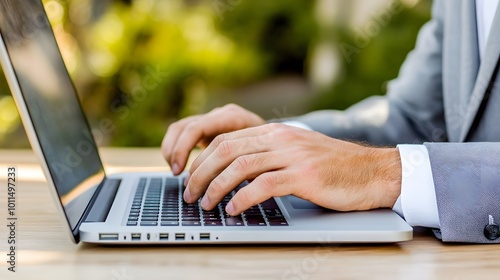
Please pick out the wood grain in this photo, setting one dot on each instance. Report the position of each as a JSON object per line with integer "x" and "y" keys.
{"x": 45, "y": 251}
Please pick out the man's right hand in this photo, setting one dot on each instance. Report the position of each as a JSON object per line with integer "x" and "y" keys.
{"x": 182, "y": 136}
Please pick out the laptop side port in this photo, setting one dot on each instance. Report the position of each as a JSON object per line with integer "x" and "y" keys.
{"x": 204, "y": 236}
{"x": 135, "y": 236}
{"x": 163, "y": 236}
{"x": 108, "y": 236}
{"x": 180, "y": 236}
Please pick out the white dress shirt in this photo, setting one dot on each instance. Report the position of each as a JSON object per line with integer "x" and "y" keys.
{"x": 417, "y": 203}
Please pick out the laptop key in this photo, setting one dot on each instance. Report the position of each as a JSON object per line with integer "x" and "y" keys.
{"x": 191, "y": 219}
{"x": 270, "y": 204}
{"x": 256, "y": 222}
{"x": 191, "y": 215}
{"x": 152, "y": 205}
{"x": 149, "y": 223}
{"x": 169, "y": 223}
{"x": 213, "y": 223}
{"x": 275, "y": 216}
{"x": 169, "y": 215}
{"x": 234, "y": 221}
{"x": 131, "y": 223}
{"x": 191, "y": 223}
{"x": 278, "y": 223}
{"x": 171, "y": 183}
{"x": 169, "y": 219}
{"x": 211, "y": 218}
{"x": 170, "y": 211}
{"x": 150, "y": 214}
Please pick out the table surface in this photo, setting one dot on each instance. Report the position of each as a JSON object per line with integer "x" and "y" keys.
{"x": 46, "y": 252}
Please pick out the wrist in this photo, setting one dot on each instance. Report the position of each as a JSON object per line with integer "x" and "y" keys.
{"x": 388, "y": 177}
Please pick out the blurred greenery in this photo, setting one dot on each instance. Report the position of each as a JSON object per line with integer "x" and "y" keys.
{"x": 367, "y": 72}
{"x": 142, "y": 64}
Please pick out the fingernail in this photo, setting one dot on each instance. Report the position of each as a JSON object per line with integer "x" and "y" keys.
{"x": 205, "y": 202}
{"x": 187, "y": 195}
{"x": 187, "y": 180}
{"x": 175, "y": 169}
{"x": 230, "y": 208}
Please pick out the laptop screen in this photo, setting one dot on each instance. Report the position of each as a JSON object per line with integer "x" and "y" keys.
{"x": 60, "y": 126}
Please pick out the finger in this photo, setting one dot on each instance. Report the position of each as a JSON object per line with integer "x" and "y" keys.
{"x": 216, "y": 162}
{"x": 171, "y": 137}
{"x": 193, "y": 132}
{"x": 265, "y": 186}
{"x": 242, "y": 168}
{"x": 262, "y": 135}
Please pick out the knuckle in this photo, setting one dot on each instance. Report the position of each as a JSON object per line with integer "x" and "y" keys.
{"x": 275, "y": 126}
{"x": 225, "y": 149}
{"x": 231, "y": 107}
{"x": 270, "y": 182}
{"x": 216, "y": 109}
{"x": 174, "y": 126}
{"x": 219, "y": 139}
{"x": 243, "y": 163}
{"x": 286, "y": 132}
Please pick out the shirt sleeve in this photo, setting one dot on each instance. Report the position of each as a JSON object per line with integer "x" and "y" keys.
{"x": 417, "y": 203}
{"x": 298, "y": 124}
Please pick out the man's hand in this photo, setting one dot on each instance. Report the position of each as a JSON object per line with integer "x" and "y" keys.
{"x": 185, "y": 134}
{"x": 280, "y": 160}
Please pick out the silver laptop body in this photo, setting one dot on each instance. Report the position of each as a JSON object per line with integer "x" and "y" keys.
{"x": 142, "y": 208}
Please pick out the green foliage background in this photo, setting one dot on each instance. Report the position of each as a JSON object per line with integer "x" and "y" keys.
{"x": 141, "y": 65}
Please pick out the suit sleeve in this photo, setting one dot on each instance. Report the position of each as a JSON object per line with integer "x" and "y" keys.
{"x": 467, "y": 185}
{"x": 411, "y": 112}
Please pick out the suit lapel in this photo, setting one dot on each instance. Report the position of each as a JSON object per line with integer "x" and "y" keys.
{"x": 486, "y": 70}
{"x": 466, "y": 66}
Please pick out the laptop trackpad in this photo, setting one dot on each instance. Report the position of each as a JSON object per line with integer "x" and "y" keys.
{"x": 298, "y": 203}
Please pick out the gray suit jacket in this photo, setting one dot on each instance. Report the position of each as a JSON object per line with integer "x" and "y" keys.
{"x": 445, "y": 94}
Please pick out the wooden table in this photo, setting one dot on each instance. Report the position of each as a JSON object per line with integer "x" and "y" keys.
{"x": 45, "y": 251}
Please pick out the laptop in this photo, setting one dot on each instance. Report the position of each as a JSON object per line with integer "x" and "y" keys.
{"x": 143, "y": 208}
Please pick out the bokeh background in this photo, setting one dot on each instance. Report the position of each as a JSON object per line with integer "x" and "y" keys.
{"x": 142, "y": 64}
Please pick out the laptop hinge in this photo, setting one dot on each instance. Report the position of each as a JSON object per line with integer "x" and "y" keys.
{"x": 108, "y": 198}
{"x": 102, "y": 204}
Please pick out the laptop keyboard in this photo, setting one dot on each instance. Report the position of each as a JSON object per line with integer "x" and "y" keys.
{"x": 158, "y": 202}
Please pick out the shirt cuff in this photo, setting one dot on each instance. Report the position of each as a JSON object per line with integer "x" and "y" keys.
{"x": 297, "y": 124}
{"x": 417, "y": 203}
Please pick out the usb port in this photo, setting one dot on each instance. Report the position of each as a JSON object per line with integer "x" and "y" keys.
{"x": 136, "y": 236}
{"x": 204, "y": 236}
{"x": 180, "y": 236}
{"x": 163, "y": 236}
{"x": 108, "y": 236}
